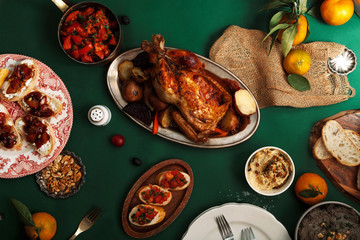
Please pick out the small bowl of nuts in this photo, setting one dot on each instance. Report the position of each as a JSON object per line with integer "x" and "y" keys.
{"x": 63, "y": 177}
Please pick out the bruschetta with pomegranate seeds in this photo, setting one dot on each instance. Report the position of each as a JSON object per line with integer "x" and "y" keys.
{"x": 9, "y": 136}
{"x": 154, "y": 195}
{"x": 38, "y": 132}
{"x": 20, "y": 81}
{"x": 173, "y": 180}
{"x": 40, "y": 104}
{"x": 146, "y": 215}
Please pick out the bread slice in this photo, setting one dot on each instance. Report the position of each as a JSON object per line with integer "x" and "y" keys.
{"x": 4, "y": 72}
{"x": 169, "y": 177}
{"x": 139, "y": 219}
{"x": 354, "y": 137}
{"x": 29, "y": 84}
{"x": 152, "y": 192}
{"x": 47, "y": 147}
{"x": 339, "y": 144}
{"x": 319, "y": 150}
{"x": 43, "y": 101}
{"x": 9, "y": 122}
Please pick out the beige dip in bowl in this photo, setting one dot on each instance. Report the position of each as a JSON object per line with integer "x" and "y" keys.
{"x": 269, "y": 171}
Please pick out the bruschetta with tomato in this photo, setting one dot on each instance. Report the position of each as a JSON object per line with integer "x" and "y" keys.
{"x": 146, "y": 215}
{"x": 154, "y": 195}
{"x": 173, "y": 180}
{"x": 38, "y": 132}
{"x": 20, "y": 81}
{"x": 9, "y": 136}
{"x": 40, "y": 104}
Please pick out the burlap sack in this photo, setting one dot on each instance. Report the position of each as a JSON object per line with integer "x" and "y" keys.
{"x": 244, "y": 53}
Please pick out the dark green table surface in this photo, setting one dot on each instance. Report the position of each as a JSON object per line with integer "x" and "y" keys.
{"x": 30, "y": 28}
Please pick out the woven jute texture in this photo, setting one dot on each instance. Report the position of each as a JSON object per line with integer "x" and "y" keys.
{"x": 244, "y": 53}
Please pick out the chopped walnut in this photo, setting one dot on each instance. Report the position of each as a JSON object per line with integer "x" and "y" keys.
{"x": 62, "y": 175}
{"x": 320, "y": 235}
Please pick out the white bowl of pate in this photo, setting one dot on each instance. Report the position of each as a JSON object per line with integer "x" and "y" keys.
{"x": 269, "y": 171}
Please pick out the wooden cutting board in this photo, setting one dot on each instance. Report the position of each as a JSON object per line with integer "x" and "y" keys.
{"x": 343, "y": 177}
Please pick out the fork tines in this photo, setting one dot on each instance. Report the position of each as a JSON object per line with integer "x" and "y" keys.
{"x": 224, "y": 227}
{"x": 94, "y": 214}
{"x": 247, "y": 234}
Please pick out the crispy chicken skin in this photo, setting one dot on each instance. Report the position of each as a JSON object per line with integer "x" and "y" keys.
{"x": 180, "y": 79}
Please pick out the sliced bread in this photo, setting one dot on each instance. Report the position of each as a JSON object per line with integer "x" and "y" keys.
{"x": 319, "y": 150}
{"x": 354, "y": 137}
{"x": 339, "y": 144}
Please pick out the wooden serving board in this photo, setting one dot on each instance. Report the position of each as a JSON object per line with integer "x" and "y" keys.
{"x": 172, "y": 210}
{"x": 343, "y": 177}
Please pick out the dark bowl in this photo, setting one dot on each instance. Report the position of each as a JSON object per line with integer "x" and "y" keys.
{"x": 117, "y": 31}
{"x": 334, "y": 217}
{"x": 42, "y": 181}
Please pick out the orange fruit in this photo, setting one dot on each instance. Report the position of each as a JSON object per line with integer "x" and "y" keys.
{"x": 310, "y": 188}
{"x": 301, "y": 29}
{"x": 46, "y": 225}
{"x": 297, "y": 62}
{"x": 337, "y": 12}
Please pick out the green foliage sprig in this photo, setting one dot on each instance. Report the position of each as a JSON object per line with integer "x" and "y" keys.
{"x": 292, "y": 9}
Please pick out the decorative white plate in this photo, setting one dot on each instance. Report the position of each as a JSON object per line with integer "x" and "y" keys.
{"x": 344, "y": 63}
{"x": 25, "y": 160}
{"x": 176, "y": 136}
{"x": 239, "y": 216}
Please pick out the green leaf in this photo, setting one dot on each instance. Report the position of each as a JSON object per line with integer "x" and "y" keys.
{"x": 314, "y": 11}
{"x": 274, "y": 37}
{"x": 311, "y": 192}
{"x": 307, "y": 30}
{"x": 276, "y": 4}
{"x": 24, "y": 212}
{"x": 302, "y": 6}
{"x": 287, "y": 39}
{"x": 276, "y": 19}
{"x": 276, "y": 28}
{"x": 299, "y": 83}
{"x": 308, "y": 193}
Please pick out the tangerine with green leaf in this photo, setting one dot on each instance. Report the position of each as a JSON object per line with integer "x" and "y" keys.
{"x": 45, "y": 226}
{"x": 297, "y": 62}
{"x": 310, "y": 188}
{"x": 301, "y": 28}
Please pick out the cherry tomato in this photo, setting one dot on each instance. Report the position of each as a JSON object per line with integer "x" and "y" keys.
{"x": 118, "y": 140}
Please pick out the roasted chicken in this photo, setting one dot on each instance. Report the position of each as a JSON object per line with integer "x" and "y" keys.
{"x": 181, "y": 80}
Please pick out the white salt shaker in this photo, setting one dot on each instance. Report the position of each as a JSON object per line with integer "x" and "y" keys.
{"x": 99, "y": 115}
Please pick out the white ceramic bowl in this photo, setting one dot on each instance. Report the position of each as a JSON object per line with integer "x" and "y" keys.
{"x": 277, "y": 191}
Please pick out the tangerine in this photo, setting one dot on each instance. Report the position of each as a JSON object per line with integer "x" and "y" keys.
{"x": 310, "y": 188}
{"x": 337, "y": 12}
{"x": 302, "y": 29}
{"x": 297, "y": 62}
{"x": 46, "y": 225}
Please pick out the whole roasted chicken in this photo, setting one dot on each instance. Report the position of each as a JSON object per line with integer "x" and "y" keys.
{"x": 180, "y": 79}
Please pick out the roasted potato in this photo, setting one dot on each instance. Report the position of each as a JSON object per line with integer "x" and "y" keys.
{"x": 165, "y": 117}
{"x": 125, "y": 70}
{"x": 230, "y": 121}
{"x": 244, "y": 102}
{"x": 131, "y": 91}
{"x": 139, "y": 75}
{"x": 148, "y": 91}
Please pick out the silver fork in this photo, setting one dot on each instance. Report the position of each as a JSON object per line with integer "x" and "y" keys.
{"x": 224, "y": 228}
{"x": 89, "y": 220}
{"x": 247, "y": 234}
